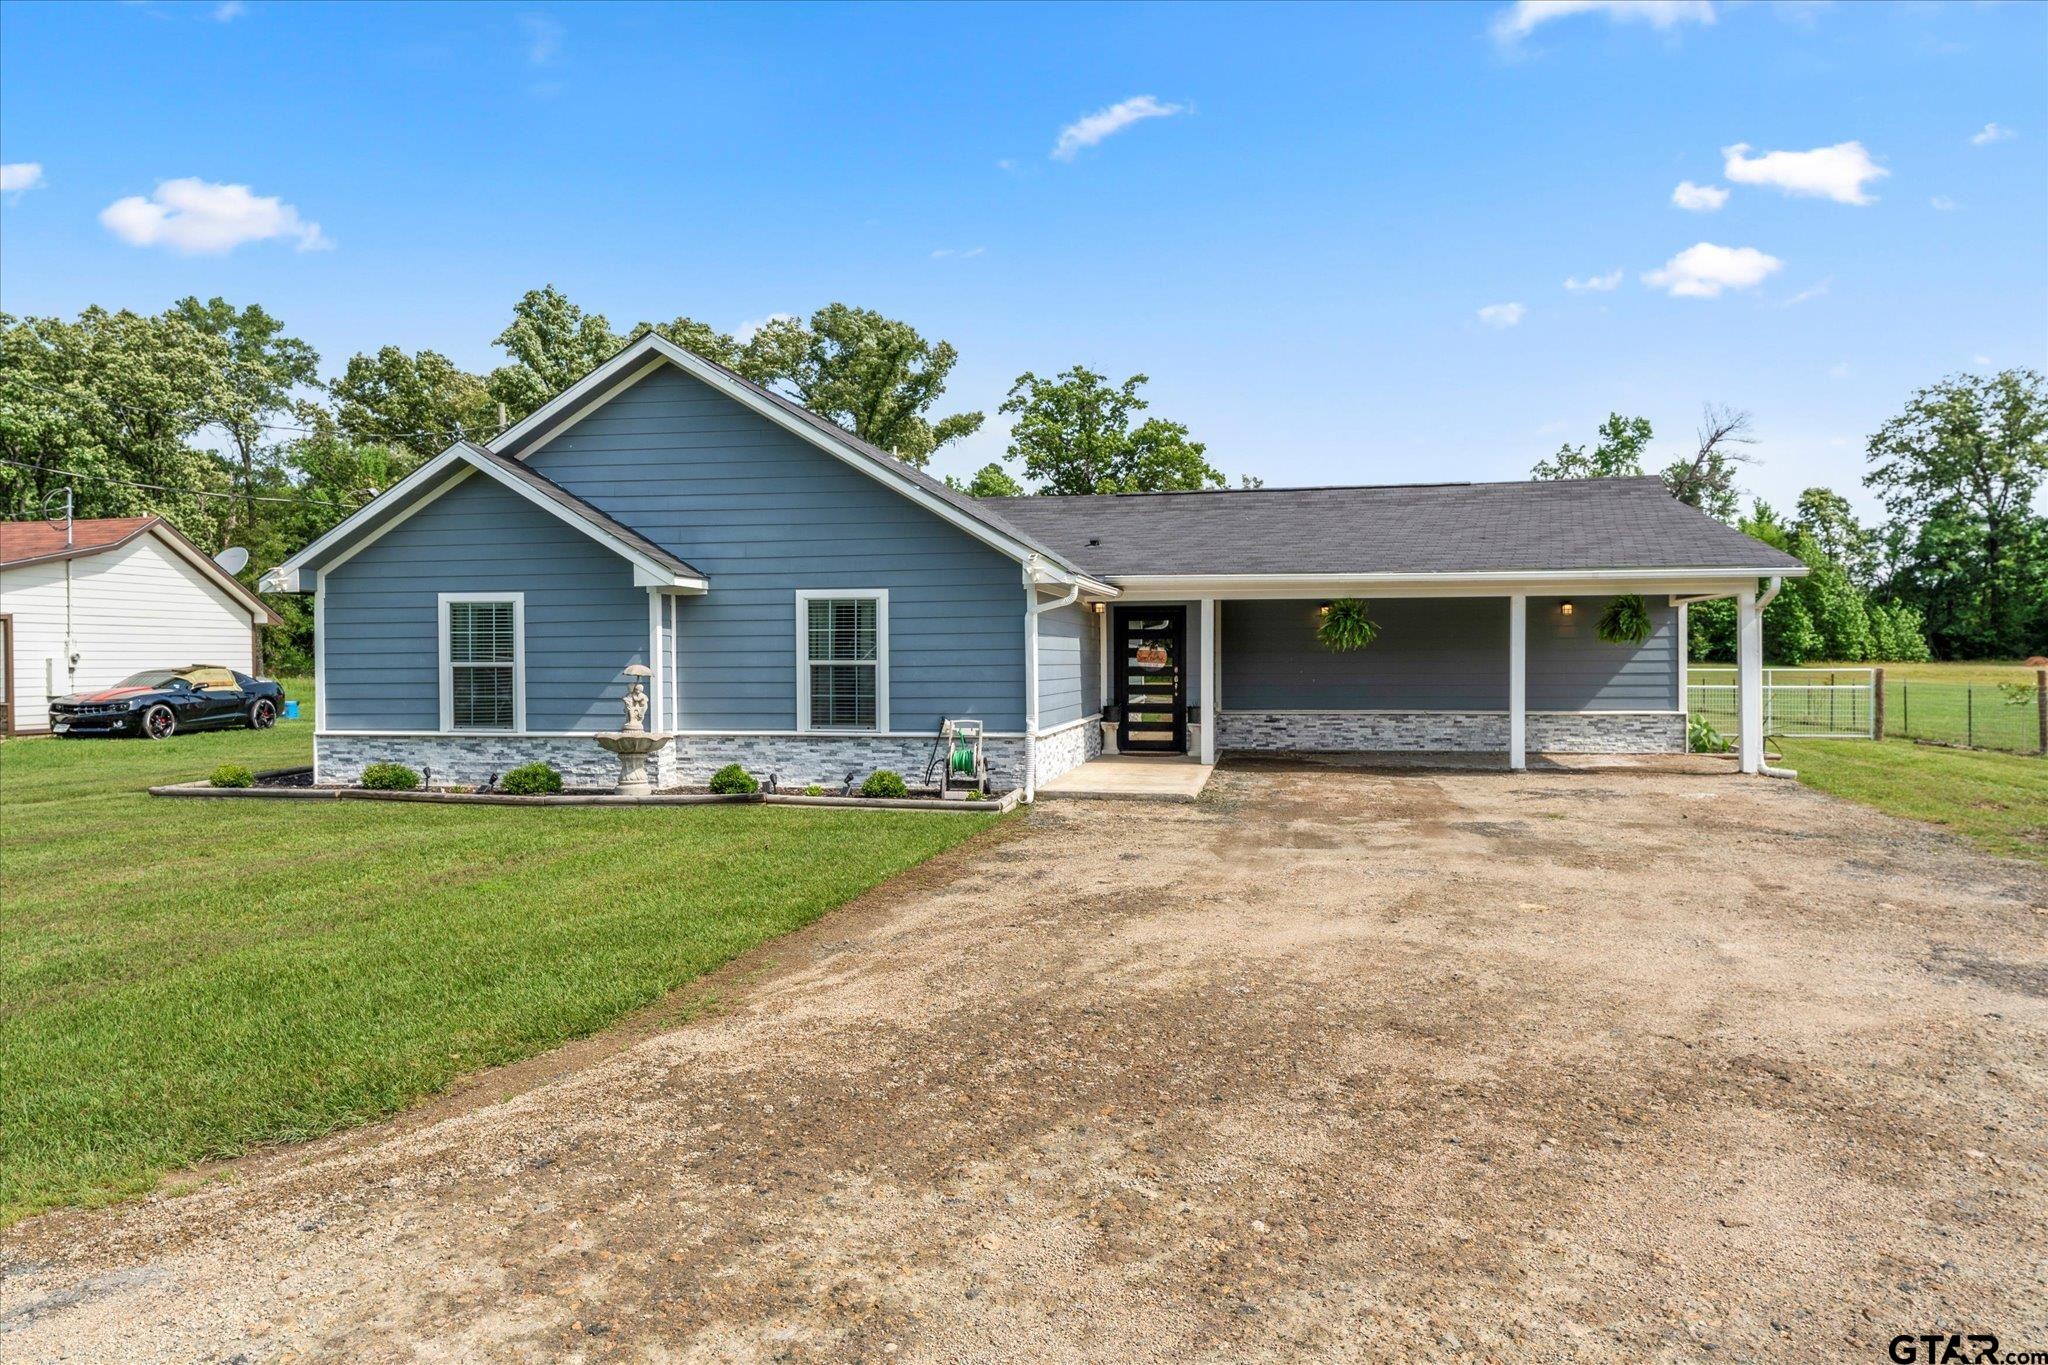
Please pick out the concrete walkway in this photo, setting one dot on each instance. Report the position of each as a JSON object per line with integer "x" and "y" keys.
{"x": 1132, "y": 777}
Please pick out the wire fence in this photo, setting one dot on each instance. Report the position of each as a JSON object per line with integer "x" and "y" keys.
{"x": 1843, "y": 703}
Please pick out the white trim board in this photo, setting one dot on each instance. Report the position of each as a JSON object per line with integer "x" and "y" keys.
{"x": 804, "y": 662}
{"x": 930, "y": 735}
{"x": 447, "y": 664}
{"x": 1541, "y": 583}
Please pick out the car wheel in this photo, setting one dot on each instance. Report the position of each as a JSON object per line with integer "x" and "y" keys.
{"x": 159, "y": 722}
{"x": 262, "y": 713}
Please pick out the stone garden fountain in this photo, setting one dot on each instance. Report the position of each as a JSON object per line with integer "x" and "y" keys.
{"x": 635, "y": 741}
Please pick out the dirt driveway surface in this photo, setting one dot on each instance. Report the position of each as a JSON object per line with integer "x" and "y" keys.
{"x": 1331, "y": 1063}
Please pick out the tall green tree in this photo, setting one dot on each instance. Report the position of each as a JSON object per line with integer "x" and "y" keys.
{"x": 1826, "y": 518}
{"x": 263, "y": 374}
{"x": 1959, "y": 469}
{"x": 553, "y": 343}
{"x": 989, "y": 481}
{"x": 873, "y": 375}
{"x": 108, "y": 402}
{"x": 1617, "y": 452}
{"x": 1077, "y": 433}
{"x": 421, "y": 403}
{"x": 1706, "y": 478}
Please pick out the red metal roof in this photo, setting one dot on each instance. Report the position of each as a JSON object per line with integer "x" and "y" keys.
{"x": 25, "y": 540}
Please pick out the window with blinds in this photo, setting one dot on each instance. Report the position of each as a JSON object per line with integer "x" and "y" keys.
{"x": 842, "y": 659}
{"x": 483, "y": 661}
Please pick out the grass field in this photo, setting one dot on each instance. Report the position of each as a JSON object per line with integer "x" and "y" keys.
{"x": 1980, "y": 671}
{"x": 2000, "y": 801}
{"x": 182, "y": 980}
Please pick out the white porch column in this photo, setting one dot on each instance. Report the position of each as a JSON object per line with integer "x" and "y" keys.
{"x": 1749, "y": 680}
{"x": 1210, "y": 710}
{"x": 1030, "y": 689}
{"x": 1518, "y": 681}
{"x": 657, "y": 664}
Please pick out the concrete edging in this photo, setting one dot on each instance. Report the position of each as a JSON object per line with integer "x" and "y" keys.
{"x": 205, "y": 790}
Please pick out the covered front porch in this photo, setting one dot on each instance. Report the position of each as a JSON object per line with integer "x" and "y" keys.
{"x": 1493, "y": 677}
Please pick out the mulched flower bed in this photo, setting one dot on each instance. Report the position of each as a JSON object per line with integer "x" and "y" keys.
{"x": 297, "y": 784}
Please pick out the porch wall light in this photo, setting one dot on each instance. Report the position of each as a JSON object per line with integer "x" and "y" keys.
{"x": 1565, "y": 607}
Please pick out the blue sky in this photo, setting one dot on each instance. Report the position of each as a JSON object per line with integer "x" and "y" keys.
{"x": 1292, "y": 223}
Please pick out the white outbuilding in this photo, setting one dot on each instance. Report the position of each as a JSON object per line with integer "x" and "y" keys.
{"x": 85, "y": 604}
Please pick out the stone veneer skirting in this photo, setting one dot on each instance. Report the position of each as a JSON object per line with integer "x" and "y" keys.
{"x": 686, "y": 761}
{"x": 1065, "y": 750}
{"x": 1584, "y": 732}
{"x": 1607, "y": 732}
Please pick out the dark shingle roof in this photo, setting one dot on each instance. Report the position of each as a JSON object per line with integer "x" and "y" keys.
{"x": 1397, "y": 529}
{"x": 547, "y": 487}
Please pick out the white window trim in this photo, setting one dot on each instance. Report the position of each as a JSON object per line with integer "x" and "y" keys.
{"x": 804, "y": 598}
{"x": 518, "y": 601}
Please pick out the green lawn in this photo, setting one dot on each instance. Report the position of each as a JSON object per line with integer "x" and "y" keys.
{"x": 1998, "y": 800}
{"x": 1981, "y": 671}
{"x": 181, "y": 980}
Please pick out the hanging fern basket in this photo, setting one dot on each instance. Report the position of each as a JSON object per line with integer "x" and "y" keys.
{"x": 1347, "y": 624}
{"x": 1626, "y": 621}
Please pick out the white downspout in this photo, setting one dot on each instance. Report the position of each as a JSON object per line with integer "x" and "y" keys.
{"x": 1032, "y": 611}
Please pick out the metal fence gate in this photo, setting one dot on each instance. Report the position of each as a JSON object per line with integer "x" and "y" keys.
{"x": 1799, "y": 703}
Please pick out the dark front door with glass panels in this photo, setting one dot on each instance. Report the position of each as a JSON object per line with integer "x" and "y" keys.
{"x": 1151, "y": 680}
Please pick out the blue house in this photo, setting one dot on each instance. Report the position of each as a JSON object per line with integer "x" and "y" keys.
{"x": 811, "y": 607}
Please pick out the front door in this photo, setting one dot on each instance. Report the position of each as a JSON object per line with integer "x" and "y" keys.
{"x": 1151, "y": 682}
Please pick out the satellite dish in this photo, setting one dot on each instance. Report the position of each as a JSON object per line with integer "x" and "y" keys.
{"x": 233, "y": 559}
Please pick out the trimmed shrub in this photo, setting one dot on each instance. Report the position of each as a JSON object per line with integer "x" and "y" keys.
{"x": 531, "y": 779}
{"x": 733, "y": 780}
{"x": 814, "y": 790}
{"x": 232, "y": 775}
{"x": 390, "y": 777}
{"x": 883, "y": 783}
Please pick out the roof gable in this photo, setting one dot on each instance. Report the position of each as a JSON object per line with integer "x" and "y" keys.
{"x": 653, "y": 565}
{"x": 650, "y": 352}
{"x": 38, "y": 542}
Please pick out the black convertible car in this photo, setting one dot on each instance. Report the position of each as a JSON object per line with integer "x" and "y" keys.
{"x": 159, "y": 702}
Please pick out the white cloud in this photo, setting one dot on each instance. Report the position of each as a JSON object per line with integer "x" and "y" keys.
{"x": 1980, "y": 360}
{"x": 1599, "y": 284}
{"x": 198, "y": 217}
{"x": 1523, "y": 17}
{"x": 1006, "y": 164}
{"x": 1839, "y": 370}
{"x": 1990, "y": 133}
{"x": 1699, "y": 198}
{"x": 954, "y": 253}
{"x": 1810, "y": 293}
{"x": 1093, "y": 128}
{"x": 1703, "y": 270}
{"x": 1942, "y": 203}
{"x": 1502, "y": 314}
{"x": 17, "y": 176}
{"x": 543, "y": 38}
{"x": 229, "y": 10}
{"x": 1838, "y": 172}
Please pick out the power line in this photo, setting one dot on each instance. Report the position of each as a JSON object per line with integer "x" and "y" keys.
{"x": 169, "y": 488}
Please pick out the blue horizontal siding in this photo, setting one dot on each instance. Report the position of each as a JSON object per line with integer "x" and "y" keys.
{"x": 584, "y": 619}
{"x": 1572, "y": 669}
{"x": 1444, "y": 654}
{"x": 1069, "y": 665}
{"x": 764, "y": 513}
{"x": 1432, "y": 654}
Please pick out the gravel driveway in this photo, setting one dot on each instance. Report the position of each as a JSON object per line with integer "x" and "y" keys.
{"x": 1333, "y": 1062}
